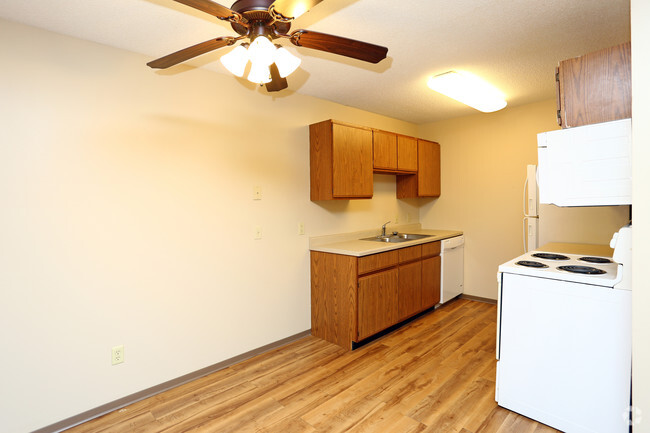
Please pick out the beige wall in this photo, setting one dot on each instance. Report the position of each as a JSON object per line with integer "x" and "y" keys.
{"x": 640, "y": 12}
{"x": 127, "y": 218}
{"x": 484, "y": 160}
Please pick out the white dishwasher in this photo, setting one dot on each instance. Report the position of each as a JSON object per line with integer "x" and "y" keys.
{"x": 452, "y": 268}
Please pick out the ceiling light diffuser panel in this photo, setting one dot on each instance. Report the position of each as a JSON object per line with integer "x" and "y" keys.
{"x": 468, "y": 89}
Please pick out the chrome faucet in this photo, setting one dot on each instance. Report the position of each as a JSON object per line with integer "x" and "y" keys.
{"x": 383, "y": 228}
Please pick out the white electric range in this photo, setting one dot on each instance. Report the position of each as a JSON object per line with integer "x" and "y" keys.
{"x": 564, "y": 338}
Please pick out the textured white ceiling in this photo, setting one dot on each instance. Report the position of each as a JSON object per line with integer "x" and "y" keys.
{"x": 514, "y": 44}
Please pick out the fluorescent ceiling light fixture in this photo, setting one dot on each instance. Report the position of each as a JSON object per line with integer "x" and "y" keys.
{"x": 468, "y": 89}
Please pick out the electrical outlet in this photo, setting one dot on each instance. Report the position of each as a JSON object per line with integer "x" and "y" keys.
{"x": 258, "y": 232}
{"x": 117, "y": 355}
{"x": 301, "y": 228}
{"x": 396, "y": 219}
{"x": 257, "y": 193}
{"x": 408, "y": 217}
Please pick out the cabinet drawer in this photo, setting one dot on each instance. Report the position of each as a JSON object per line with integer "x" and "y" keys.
{"x": 377, "y": 261}
{"x": 410, "y": 253}
{"x": 431, "y": 249}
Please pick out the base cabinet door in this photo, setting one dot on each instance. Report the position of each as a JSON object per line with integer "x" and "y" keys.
{"x": 410, "y": 289}
{"x": 430, "y": 282}
{"x": 377, "y": 302}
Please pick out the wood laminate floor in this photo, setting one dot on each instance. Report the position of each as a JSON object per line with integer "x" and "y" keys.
{"x": 435, "y": 374}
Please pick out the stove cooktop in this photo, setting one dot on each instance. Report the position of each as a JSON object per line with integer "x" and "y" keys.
{"x": 600, "y": 271}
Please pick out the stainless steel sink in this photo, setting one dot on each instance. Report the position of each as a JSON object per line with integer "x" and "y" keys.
{"x": 411, "y": 236}
{"x": 396, "y": 238}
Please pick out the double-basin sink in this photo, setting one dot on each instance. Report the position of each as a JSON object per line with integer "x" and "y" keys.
{"x": 396, "y": 238}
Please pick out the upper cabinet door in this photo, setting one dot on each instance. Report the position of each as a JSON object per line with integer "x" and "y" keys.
{"x": 407, "y": 153}
{"x": 595, "y": 88}
{"x": 351, "y": 162}
{"x": 384, "y": 149}
{"x": 428, "y": 176}
{"x": 340, "y": 159}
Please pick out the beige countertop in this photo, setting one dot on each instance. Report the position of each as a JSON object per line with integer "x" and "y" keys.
{"x": 351, "y": 244}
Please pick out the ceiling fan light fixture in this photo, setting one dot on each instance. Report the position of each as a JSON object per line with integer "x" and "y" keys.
{"x": 286, "y": 62}
{"x": 261, "y": 51}
{"x": 468, "y": 89}
{"x": 259, "y": 74}
{"x": 236, "y": 60}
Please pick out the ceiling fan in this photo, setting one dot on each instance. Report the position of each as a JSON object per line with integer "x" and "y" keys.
{"x": 261, "y": 22}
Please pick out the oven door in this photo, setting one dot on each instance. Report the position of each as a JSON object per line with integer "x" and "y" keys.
{"x": 565, "y": 353}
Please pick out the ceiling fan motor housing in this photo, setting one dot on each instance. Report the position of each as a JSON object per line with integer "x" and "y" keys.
{"x": 256, "y": 12}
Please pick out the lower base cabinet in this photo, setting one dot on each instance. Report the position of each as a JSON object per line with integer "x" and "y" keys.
{"x": 353, "y": 298}
{"x": 409, "y": 289}
{"x": 377, "y": 302}
{"x": 431, "y": 281}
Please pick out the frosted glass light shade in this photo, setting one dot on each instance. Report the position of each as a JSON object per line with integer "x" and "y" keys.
{"x": 259, "y": 74}
{"x": 468, "y": 89}
{"x": 261, "y": 51}
{"x": 285, "y": 61}
{"x": 236, "y": 60}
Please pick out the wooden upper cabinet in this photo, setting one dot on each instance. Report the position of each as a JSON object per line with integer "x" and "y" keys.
{"x": 426, "y": 183}
{"x": 407, "y": 153}
{"x": 428, "y": 169}
{"x": 343, "y": 157}
{"x": 394, "y": 153}
{"x": 384, "y": 150}
{"x": 340, "y": 161}
{"x": 595, "y": 88}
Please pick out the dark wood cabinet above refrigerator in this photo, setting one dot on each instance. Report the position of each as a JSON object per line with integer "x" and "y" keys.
{"x": 595, "y": 88}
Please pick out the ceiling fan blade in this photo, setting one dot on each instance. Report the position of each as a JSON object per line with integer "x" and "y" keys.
{"x": 338, "y": 45}
{"x": 277, "y": 83}
{"x": 190, "y": 52}
{"x": 291, "y": 9}
{"x": 214, "y": 9}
